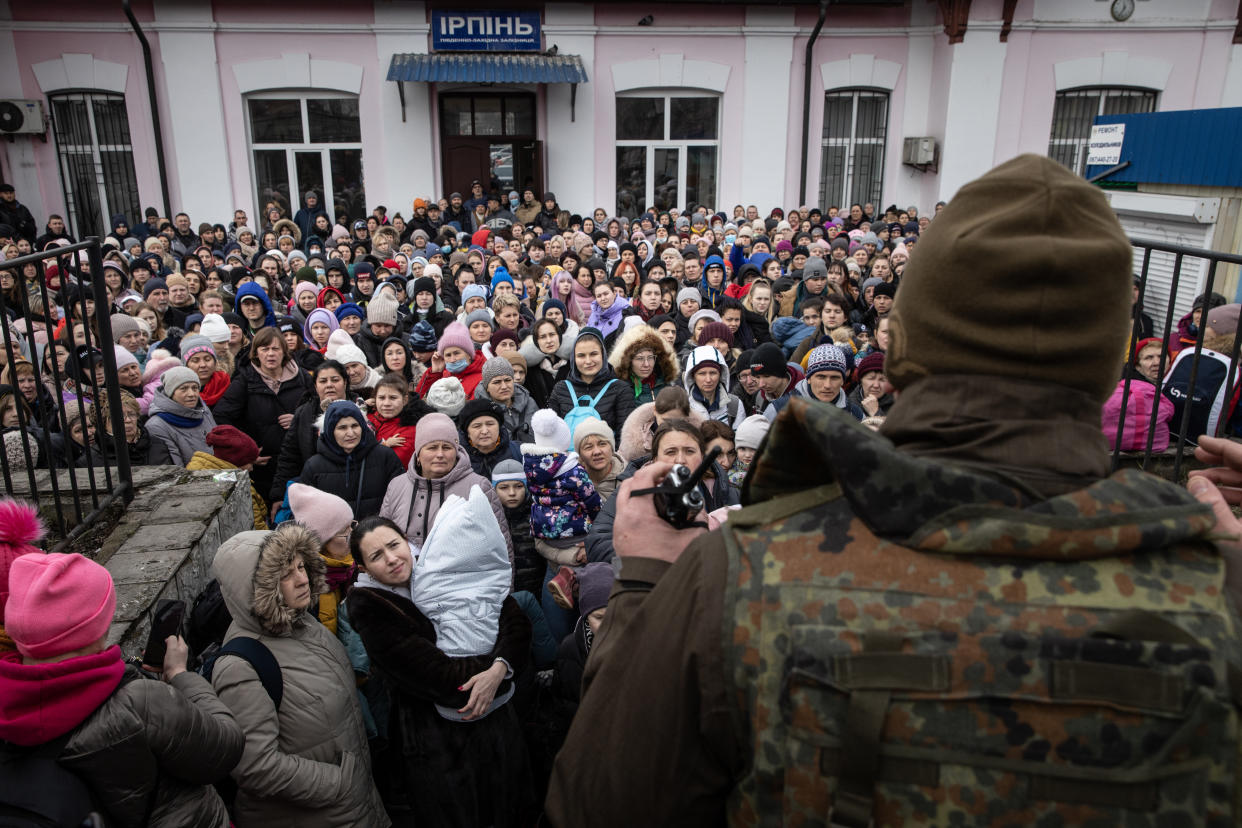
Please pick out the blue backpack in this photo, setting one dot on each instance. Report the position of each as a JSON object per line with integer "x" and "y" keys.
{"x": 584, "y": 406}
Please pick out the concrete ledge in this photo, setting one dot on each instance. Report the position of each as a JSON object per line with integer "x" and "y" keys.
{"x": 166, "y": 541}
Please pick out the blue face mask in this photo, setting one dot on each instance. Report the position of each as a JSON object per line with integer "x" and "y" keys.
{"x": 319, "y": 271}
{"x": 730, "y": 238}
{"x": 457, "y": 365}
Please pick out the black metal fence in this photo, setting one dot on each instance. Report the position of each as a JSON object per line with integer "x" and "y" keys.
{"x": 75, "y": 420}
{"x": 1168, "y": 332}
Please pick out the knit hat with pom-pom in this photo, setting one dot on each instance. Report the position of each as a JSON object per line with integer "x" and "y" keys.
{"x": 550, "y": 431}
{"x": 20, "y": 527}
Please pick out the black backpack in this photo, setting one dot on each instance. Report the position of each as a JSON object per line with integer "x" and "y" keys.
{"x": 209, "y": 620}
{"x": 36, "y": 790}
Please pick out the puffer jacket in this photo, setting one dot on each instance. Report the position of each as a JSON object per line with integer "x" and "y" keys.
{"x": 297, "y": 446}
{"x": 177, "y": 432}
{"x": 359, "y": 477}
{"x": 517, "y": 415}
{"x": 149, "y": 752}
{"x": 412, "y": 501}
{"x": 306, "y": 764}
{"x": 616, "y": 404}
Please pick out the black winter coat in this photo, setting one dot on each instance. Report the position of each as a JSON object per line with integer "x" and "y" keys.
{"x": 454, "y": 773}
{"x": 528, "y": 564}
{"x": 482, "y": 463}
{"x": 297, "y": 447}
{"x": 360, "y": 482}
{"x": 250, "y": 406}
{"x": 617, "y": 403}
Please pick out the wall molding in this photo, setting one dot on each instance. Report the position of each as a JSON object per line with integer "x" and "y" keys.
{"x": 297, "y": 71}
{"x": 860, "y": 70}
{"x": 1112, "y": 69}
{"x": 670, "y": 71}
{"x": 77, "y": 71}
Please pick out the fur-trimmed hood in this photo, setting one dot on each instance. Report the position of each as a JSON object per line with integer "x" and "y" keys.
{"x": 634, "y": 340}
{"x": 249, "y": 567}
{"x": 530, "y": 351}
{"x": 288, "y": 227}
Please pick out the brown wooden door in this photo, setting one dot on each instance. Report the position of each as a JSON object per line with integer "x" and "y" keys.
{"x": 465, "y": 159}
{"x": 528, "y": 166}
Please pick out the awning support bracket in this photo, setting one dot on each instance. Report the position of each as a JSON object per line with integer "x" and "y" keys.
{"x": 401, "y": 95}
{"x": 573, "y": 102}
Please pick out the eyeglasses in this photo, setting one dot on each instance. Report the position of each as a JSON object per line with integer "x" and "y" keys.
{"x": 344, "y": 534}
{"x": 644, "y": 358}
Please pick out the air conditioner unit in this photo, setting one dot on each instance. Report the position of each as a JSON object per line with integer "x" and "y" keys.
{"x": 918, "y": 151}
{"x": 18, "y": 117}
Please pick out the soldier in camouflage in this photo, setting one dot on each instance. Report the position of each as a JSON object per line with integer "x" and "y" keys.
{"x": 964, "y": 620}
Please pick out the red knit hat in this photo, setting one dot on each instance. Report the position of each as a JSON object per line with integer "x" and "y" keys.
{"x": 715, "y": 330}
{"x": 19, "y": 528}
{"x": 232, "y": 445}
{"x": 873, "y": 361}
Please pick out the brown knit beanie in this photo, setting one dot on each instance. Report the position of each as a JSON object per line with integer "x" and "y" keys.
{"x": 1025, "y": 274}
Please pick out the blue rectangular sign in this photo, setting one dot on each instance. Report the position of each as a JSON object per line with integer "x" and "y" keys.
{"x": 485, "y": 31}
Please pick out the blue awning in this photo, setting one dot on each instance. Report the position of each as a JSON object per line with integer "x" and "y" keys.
{"x": 487, "y": 68}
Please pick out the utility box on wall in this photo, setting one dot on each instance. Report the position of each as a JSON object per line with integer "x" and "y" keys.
{"x": 919, "y": 152}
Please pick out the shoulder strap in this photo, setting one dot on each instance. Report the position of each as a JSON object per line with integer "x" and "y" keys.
{"x": 600, "y": 395}
{"x": 263, "y": 662}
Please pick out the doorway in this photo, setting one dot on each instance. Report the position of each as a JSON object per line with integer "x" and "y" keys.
{"x": 490, "y": 137}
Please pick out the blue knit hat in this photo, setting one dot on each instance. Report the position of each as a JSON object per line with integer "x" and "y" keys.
{"x": 349, "y": 309}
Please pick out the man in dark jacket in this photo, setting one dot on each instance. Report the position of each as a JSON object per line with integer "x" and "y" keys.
{"x": 457, "y": 213}
{"x": 305, "y": 218}
{"x": 547, "y": 218}
{"x": 54, "y": 230}
{"x": 892, "y": 632}
{"x": 16, "y": 215}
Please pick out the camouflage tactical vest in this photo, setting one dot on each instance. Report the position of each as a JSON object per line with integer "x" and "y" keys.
{"x": 984, "y": 663}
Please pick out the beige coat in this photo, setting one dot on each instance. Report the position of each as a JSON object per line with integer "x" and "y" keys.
{"x": 307, "y": 764}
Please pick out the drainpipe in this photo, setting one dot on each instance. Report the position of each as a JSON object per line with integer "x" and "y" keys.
{"x": 806, "y": 98}
{"x": 155, "y": 109}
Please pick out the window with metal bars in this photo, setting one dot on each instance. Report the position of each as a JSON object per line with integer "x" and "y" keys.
{"x": 96, "y": 160}
{"x": 852, "y": 160}
{"x": 1075, "y": 111}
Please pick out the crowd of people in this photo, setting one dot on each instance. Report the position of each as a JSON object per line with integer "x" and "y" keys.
{"x": 437, "y": 413}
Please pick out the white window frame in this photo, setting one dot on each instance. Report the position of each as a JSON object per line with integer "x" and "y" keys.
{"x": 844, "y": 199}
{"x": 1079, "y": 145}
{"x": 682, "y": 145}
{"x": 326, "y": 197}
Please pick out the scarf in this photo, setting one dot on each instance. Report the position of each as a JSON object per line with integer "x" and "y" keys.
{"x": 40, "y": 702}
{"x": 1043, "y": 439}
{"x": 177, "y": 420}
{"x": 339, "y": 572}
{"x": 287, "y": 372}
{"x": 215, "y": 388}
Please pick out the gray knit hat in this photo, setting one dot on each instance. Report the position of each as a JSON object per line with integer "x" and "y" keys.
{"x": 176, "y": 377}
{"x": 815, "y": 268}
{"x": 480, "y": 315}
{"x": 382, "y": 309}
{"x": 689, "y": 293}
{"x": 122, "y": 324}
{"x": 497, "y": 366}
{"x": 447, "y": 396}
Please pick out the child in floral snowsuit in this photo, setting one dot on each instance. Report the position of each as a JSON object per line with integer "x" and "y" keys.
{"x": 563, "y": 502}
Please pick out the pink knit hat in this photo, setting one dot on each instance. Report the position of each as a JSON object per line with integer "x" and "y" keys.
{"x": 57, "y": 604}
{"x": 322, "y": 512}
{"x": 433, "y": 427}
{"x": 457, "y": 336}
{"x": 19, "y": 528}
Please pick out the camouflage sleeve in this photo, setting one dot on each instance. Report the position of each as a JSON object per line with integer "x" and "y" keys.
{"x": 657, "y": 706}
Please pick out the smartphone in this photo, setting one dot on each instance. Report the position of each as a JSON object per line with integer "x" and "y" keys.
{"x": 165, "y": 621}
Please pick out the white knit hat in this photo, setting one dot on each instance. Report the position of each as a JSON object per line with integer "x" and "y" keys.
{"x": 751, "y": 432}
{"x": 215, "y": 328}
{"x": 550, "y": 430}
{"x": 447, "y": 396}
{"x": 337, "y": 340}
{"x": 382, "y": 309}
{"x": 347, "y": 354}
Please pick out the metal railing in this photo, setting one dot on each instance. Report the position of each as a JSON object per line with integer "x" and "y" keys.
{"x": 1166, "y": 333}
{"x": 98, "y": 478}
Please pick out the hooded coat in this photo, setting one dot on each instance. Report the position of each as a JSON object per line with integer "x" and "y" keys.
{"x": 177, "y": 432}
{"x": 359, "y": 477}
{"x": 306, "y": 763}
{"x": 725, "y": 407}
{"x": 621, "y": 357}
{"x": 305, "y": 217}
{"x": 483, "y": 464}
{"x": 412, "y": 501}
{"x": 148, "y": 751}
{"x": 256, "y": 291}
{"x": 616, "y": 403}
{"x": 540, "y": 373}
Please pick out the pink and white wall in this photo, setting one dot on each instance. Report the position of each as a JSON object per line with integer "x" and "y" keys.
{"x": 984, "y": 99}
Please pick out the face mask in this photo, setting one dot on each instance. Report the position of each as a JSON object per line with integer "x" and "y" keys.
{"x": 457, "y": 365}
{"x": 319, "y": 271}
{"x": 730, "y": 238}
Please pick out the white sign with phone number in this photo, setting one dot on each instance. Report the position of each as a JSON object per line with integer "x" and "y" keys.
{"x": 1104, "y": 145}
